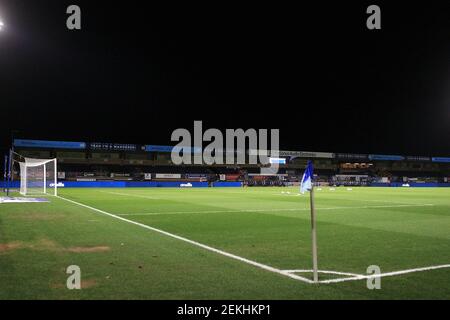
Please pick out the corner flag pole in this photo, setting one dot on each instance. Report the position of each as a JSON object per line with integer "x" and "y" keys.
{"x": 307, "y": 184}
{"x": 313, "y": 235}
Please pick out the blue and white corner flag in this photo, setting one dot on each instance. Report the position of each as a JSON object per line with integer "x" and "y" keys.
{"x": 306, "y": 184}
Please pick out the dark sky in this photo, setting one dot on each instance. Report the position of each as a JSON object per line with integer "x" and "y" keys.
{"x": 135, "y": 72}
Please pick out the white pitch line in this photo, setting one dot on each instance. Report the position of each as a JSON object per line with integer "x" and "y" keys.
{"x": 375, "y": 200}
{"x": 198, "y": 244}
{"x": 287, "y": 273}
{"x": 210, "y": 211}
{"x": 387, "y": 274}
{"x": 131, "y": 195}
{"x": 271, "y": 210}
{"x": 324, "y": 272}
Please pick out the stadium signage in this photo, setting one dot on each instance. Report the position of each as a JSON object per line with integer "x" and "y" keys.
{"x": 113, "y": 146}
{"x": 196, "y": 175}
{"x": 417, "y": 158}
{"x": 301, "y": 154}
{"x": 49, "y": 144}
{"x": 277, "y": 160}
{"x": 348, "y": 156}
{"x": 295, "y": 154}
{"x": 168, "y": 176}
{"x": 308, "y": 154}
{"x": 290, "y": 153}
{"x": 157, "y": 148}
{"x": 214, "y": 153}
{"x": 440, "y": 159}
{"x": 154, "y": 148}
{"x": 385, "y": 157}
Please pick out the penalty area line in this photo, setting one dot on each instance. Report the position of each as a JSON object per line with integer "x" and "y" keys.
{"x": 195, "y": 243}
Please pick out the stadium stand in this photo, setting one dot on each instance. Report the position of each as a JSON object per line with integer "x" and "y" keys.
{"x": 94, "y": 162}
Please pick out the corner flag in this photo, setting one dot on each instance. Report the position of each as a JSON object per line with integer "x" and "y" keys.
{"x": 306, "y": 184}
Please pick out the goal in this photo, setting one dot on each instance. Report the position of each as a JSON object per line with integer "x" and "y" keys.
{"x": 38, "y": 176}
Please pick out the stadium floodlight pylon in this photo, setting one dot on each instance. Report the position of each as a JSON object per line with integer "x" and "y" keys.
{"x": 38, "y": 176}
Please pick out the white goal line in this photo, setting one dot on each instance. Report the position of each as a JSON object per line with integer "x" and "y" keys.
{"x": 287, "y": 273}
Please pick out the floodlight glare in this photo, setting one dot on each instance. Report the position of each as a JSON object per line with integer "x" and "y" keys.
{"x": 1, "y": 25}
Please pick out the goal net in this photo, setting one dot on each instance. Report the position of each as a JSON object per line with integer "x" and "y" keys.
{"x": 38, "y": 176}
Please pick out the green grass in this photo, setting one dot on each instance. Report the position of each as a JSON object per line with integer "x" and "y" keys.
{"x": 393, "y": 228}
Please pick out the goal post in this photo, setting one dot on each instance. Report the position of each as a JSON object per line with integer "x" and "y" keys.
{"x": 38, "y": 176}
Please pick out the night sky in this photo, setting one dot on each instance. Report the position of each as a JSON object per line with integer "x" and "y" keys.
{"x": 136, "y": 72}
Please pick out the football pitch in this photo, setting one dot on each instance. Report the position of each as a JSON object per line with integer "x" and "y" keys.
{"x": 227, "y": 243}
